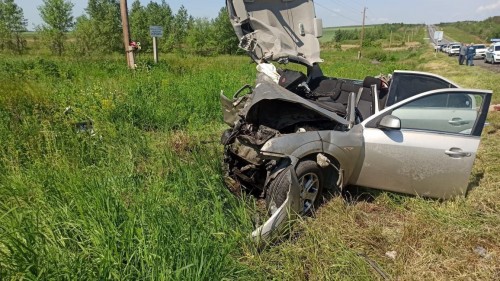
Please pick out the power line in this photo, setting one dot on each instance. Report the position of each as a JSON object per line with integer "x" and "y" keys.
{"x": 346, "y": 5}
{"x": 337, "y": 13}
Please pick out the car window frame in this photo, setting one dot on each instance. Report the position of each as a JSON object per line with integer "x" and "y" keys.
{"x": 374, "y": 120}
{"x": 395, "y": 84}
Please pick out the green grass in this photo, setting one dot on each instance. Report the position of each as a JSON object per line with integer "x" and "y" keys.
{"x": 142, "y": 195}
{"x": 458, "y": 35}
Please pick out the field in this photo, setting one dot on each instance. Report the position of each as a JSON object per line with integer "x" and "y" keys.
{"x": 457, "y": 35}
{"x": 111, "y": 174}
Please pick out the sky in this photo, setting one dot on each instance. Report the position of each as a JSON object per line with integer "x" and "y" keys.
{"x": 333, "y": 12}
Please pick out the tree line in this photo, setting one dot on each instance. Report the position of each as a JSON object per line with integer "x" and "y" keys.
{"x": 99, "y": 30}
{"x": 398, "y": 31}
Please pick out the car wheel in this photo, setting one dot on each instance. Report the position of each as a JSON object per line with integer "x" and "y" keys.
{"x": 311, "y": 180}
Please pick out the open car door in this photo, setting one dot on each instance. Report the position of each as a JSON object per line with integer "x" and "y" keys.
{"x": 425, "y": 145}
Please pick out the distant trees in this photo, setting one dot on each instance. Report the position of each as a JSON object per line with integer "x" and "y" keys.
{"x": 374, "y": 33}
{"x": 12, "y": 25}
{"x": 100, "y": 30}
{"x": 141, "y": 18}
{"x": 217, "y": 36}
{"x": 182, "y": 32}
{"x": 227, "y": 41}
{"x": 58, "y": 18}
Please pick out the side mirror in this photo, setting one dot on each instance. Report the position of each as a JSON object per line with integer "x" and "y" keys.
{"x": 390, "y": 122}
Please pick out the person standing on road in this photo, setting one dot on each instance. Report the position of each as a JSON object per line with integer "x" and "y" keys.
{"x": 471, "y": 52}
{"x": 461, "y": 54}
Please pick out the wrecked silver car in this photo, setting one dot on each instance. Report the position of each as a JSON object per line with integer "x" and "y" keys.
{"x": 294, "y": 135}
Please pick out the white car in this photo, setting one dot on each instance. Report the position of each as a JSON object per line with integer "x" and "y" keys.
{"x": 454, "y": 50}
{"x": 447, "y": 48}
{"x": 493, "y": 53}
{"x": 480, "y": 51}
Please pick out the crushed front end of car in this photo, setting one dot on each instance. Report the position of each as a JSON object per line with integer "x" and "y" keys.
{"x": 273, "y": 148}
{"x": 268, "y": 123}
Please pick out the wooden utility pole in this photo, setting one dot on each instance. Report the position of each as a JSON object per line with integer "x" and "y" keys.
{"x": 362, "y": 33}
{"x": 126, "y": 35}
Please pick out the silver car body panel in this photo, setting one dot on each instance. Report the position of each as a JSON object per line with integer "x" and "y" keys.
{"x": 414, "y": 162}
{"x": 420, "y": 162}
{"x": 345, "y": 147}
{"x": 277, "y": 29}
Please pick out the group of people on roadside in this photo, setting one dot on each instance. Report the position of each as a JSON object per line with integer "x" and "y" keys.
{"x": 467, "y": 52}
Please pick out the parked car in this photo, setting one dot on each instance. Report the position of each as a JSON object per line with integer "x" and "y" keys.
{"x": 454, "y": 50}
{"x": 492, "y": 53}
{"x": 295, "y": 134}
{"x": 480, "y": 51}
{"x": 447, "y": 47}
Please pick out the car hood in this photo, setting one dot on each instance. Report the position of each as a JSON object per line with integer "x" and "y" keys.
{"x": 277, "y": 30}
{"x": 267, "y": 96}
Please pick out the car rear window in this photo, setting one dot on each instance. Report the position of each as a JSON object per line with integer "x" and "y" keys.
{"x": 480, "y": 47}
{"x": 497, "y": 48}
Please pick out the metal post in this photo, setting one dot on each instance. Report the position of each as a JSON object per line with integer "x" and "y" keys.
{"x": 362, "y": 33}
{"x": 155, "y": 49}
{"x": 126, "y": 34}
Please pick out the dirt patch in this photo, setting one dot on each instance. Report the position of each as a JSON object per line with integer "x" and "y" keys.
{"x": 407, "y": 46}
{"x": 489, "y": 66}
{"x": 348, "y": 47}
{"x": 495, "y": 107}
{"x": 434, "y": 65}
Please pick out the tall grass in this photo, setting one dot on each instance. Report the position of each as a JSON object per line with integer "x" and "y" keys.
{"x": 139, "y": 195}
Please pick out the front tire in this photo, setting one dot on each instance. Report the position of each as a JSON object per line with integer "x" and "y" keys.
{"x": 312, "y": 182}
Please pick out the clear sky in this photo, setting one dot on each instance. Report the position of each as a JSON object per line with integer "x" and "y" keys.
{"x": 333, "y": 12}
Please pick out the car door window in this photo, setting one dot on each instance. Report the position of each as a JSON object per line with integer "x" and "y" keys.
{"x": 406, "y": 85}
{"x": 444, "y": 112}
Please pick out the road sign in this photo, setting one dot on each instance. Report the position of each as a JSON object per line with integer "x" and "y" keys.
{"x": 156, "y": 31}
{"x": 438, "y": 35}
